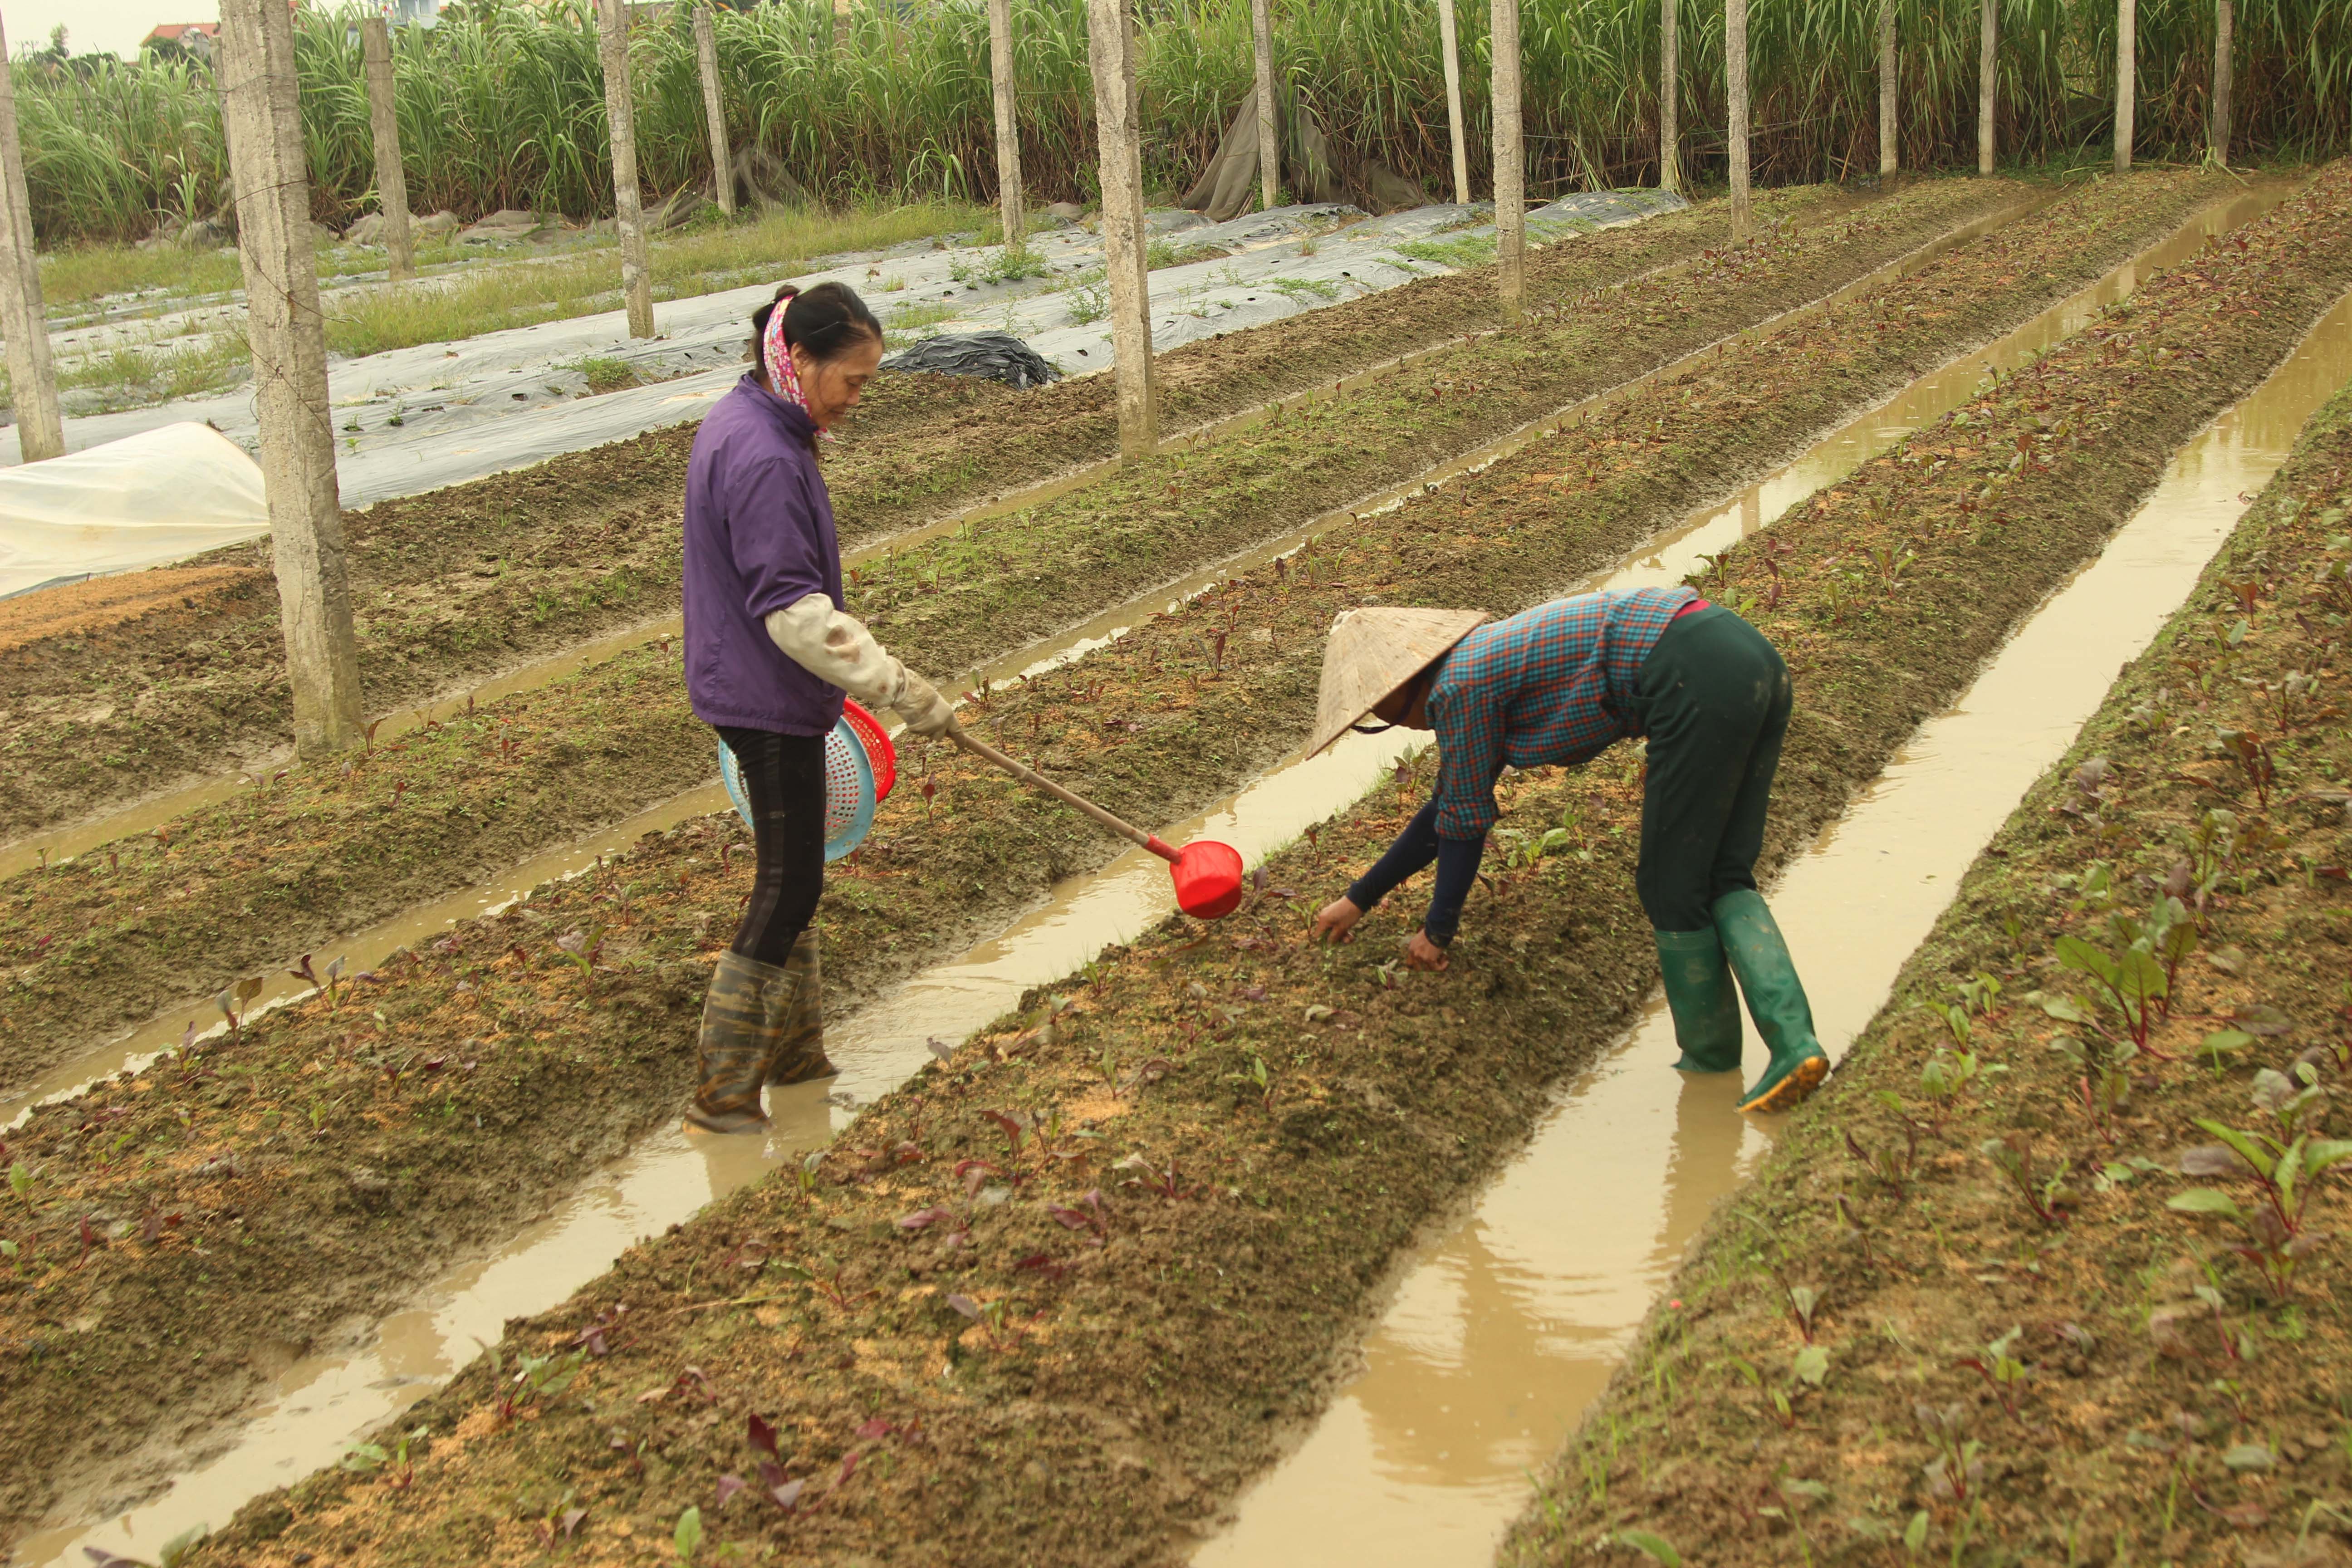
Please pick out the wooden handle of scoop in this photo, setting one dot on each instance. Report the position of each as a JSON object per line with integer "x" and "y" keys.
{"x": 1029, "y": 775}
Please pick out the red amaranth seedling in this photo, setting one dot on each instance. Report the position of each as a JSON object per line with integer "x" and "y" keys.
{"x": 2281, "y": 1167}
{"x": 2047, "y": 1198}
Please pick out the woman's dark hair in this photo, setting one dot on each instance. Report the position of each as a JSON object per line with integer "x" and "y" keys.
{"x": 827, "y": 321}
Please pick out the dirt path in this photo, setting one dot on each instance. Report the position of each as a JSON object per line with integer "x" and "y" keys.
{"x": 1054, "y": 1301}
{"x": 454, "y": 586}
{"x": 282, "y": 869}
{"x": 382, "y": 1122}
{"x": 2072, "y": 1368}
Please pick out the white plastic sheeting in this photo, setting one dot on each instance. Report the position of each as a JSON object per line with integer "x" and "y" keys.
{"x": 417, "y": 419}
{"x": 147, "y": 498}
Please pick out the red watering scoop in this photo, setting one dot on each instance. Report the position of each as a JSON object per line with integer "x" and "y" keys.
{"x": 1208, "y": 874}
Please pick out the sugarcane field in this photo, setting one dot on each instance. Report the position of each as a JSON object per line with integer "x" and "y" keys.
{"x": 1257, "y": 783}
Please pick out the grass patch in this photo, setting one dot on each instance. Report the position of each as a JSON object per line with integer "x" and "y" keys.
{"x": 606, "y": 373}
{"x": 136, "y": 377}
{"x": 1321, "y": 288}
{"x": 1470, "y": 251}
{"x": 912, "y": 323}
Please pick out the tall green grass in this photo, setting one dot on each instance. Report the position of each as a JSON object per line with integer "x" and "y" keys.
{"x": 503, "y": 106}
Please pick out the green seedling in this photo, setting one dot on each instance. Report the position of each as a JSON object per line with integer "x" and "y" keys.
{"x": 2001, "y": 1369}
{"x": 2047, "y": 1198}
{"x": 1956, "y": 1470}
{"x": 2220, "y": 1044}
{"x": 234, "y": 1002}
{"x": 20, "y": 1182}
{"x": 1654, "y": 1547}
{"x": 2281, "y": 1167}
{"x": 1256, "y": 1075}
{"x": 1888, "y": 1168}
{"x": 687, "y": 1537}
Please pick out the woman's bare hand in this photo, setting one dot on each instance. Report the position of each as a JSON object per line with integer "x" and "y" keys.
{"x": 1420, "y": 952}
{"x": 1337, "y": 919}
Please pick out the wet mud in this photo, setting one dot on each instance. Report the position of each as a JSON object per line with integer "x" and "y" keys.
{"x": 1505, "y": 1327}
{"x": 1640, "y": 459}
{"x": 2170, "y": 1392}
{"x": 457, "y": 584}
{"x": 342, "y": 1165}
{"x": 1117, "y": 1393}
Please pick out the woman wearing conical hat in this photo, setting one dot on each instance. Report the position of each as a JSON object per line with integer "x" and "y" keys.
{"x": 1558, "y": 685}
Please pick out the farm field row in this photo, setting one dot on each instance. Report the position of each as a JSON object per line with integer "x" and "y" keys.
{"x": 2052, "y": 1312}
{"x": 111, "y": 937}
{"x": 1079, "y": 1275}
{"x": 458, "y": 584}
{"x": 427, "y": 1181}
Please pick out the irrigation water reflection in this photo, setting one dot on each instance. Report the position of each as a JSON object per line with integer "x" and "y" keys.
{"x": 1439, "y": 1442}
{"x": 1513, "y": 1320}
{"x": 78, "y": 837}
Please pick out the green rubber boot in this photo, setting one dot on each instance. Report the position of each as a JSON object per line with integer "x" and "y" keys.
{"x": 800, "y": 1051}
{"x": 1699, "y": 996}
{"x": 743, "y": 1024}
{"x": 1775, "y": 1000}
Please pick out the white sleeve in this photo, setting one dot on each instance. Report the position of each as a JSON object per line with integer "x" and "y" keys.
{"x": 837, "y": 649}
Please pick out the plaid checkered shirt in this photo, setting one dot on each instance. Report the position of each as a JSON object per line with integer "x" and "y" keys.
{"x": 1551, "y": 686}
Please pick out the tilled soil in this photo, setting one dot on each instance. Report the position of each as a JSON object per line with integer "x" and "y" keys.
{"x": 390, "y": 1150}
{"x": 1051, "y": 1301}
{"x": 107, "y": 940}
{"x": 2068, "y": 1368}
{"x": 455, "y": 586}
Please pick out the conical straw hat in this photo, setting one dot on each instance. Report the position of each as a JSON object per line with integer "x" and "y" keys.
{"x": 1370, "y": 653}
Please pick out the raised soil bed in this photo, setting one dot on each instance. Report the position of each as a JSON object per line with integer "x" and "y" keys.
{"x": 454, "y": 585}
{"x": 2065, "y": 1367}
{"x": 106, "y": 941}
{"x": 1111, "y": 1393}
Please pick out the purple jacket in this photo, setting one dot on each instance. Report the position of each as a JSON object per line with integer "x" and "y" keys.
{"x": 759, "y": 538}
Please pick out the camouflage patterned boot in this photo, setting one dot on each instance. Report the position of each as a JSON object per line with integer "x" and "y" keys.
{"x": 742, "y": 1018}
{"x": 800, "y": 1055}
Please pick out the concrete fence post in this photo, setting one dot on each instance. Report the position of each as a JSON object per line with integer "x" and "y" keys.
{"x": 1449, "y": 43}
{"x": 269, "y": 163}
{"x": 1510, "y": 163}
{"x": 1889, "y": 70}
{"x": 1988, "y": 80}
{"x": 1670, "y": 169}
{"x": 1735, "y": 73}
{"x": 628, "y": 211}
{"x": 391, "y": 178}
{"x": 1269, "y": 118}
{"x": 1010, "y": 198}
{"x": 32, "y": 373}
{"x": 1111, "y": 47}
{"x": 2126, "y": 79}
{"x": 2222, "y": 79}
{"x": 714, "y": 110}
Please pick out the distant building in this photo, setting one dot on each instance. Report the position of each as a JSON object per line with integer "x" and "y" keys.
{"x": 193, "y": 39}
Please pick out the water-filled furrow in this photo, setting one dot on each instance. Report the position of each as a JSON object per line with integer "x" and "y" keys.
{"x": 1512, "y": 1318}
{"x": 1671, "y": 556}
{"x": 329, "y": 1398}
{"x": 76, "y": 838}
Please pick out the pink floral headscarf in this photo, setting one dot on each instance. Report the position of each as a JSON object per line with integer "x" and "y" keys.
{"x": 777, "y": 356}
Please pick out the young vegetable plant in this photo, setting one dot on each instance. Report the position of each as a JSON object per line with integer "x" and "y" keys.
{"x": 2281, "y": 1167}
{"x": 1955, "y": 1469}
{"x": 2002, "y": 1371}
{"x": 2046, "y": 1197}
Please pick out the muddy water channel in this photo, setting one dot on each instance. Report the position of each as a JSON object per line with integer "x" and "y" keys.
{"x": 1511, "y": 1319}
{"x": 72, "y": 839}
{"x": 327, "y": 1401}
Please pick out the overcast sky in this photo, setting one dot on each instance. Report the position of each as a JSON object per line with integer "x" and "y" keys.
{"x": 114, "y": 25}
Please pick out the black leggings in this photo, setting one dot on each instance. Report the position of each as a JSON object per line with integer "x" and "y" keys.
{"x": 1715, "y": 702}
{"x": 783, "y": 778}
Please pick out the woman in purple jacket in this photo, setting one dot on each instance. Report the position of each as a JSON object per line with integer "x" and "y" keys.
{"x": 769, "y": 654}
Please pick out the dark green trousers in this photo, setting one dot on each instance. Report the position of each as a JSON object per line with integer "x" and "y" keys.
{"x": 1715, "y": 700}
